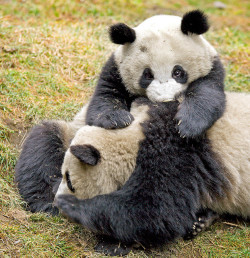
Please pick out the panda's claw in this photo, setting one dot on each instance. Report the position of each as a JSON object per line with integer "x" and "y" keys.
{"x": 114, "y": 119}
{"x": 204, "y": 220}
{"x": 190, "y": 124}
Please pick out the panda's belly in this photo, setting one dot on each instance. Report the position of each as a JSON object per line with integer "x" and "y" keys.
{"x": 230, "y": 140}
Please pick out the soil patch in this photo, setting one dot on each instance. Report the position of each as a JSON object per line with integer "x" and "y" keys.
{"x": 20, "y": 132}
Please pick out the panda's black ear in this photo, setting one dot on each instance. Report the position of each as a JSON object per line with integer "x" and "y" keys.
{"x": 194, "y": 22}
{"x": 86, "y": 154}
{"x": 121, "y": 33}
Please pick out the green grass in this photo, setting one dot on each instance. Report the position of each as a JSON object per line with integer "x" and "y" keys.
{"x": 51, "y": 53}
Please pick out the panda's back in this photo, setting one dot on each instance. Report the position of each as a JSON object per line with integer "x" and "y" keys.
{"x": 230, "y": 139}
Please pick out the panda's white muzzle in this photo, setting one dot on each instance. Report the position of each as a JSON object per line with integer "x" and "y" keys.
{"x": 166, "y": 91}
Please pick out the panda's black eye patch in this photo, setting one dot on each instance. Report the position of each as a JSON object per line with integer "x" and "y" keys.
{"x": 148, "y": 74}
{"x": 146, "y": 78}
{"x": 71, "y": 188}
{"x": 179, "y": 74}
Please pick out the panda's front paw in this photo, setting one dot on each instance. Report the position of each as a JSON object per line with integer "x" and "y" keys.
{"x": 185, "y": 128}
{"x": 190, "y": 125}
{"x": 69, "y": 207}
{"x": 114, "y": 119}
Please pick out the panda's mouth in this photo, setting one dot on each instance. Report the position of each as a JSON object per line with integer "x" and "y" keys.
{"x": 164, "y": 92}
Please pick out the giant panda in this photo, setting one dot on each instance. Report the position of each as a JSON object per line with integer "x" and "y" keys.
{"x": 173, "y": 182}
{"x": 166, "y": 56}
{"x": 117, "y": 151}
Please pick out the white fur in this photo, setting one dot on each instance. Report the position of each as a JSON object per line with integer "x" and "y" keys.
{"x": 69, "y": 129}
{"x": 230, "y": 137}
{"x": 160, "y": 45}
{"x": 118, "y": 149}
{"x": 161, "y": 92}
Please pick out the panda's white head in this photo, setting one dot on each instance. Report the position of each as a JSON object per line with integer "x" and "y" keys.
{"x": 162, "y": 55}
{"x": 99, "y": 161}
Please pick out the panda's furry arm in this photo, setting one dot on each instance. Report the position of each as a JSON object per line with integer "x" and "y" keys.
{"x": 110, "y": 104}
{"x": 203, "y": 104}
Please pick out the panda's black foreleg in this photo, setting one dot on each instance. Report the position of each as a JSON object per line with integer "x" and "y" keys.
{"x": 38, "y": 169}
{"x": 74, "y": 210}
{"x": 110, "y": 104}
{"x": 203, "y": 104}
{"x": 205, "y": 217}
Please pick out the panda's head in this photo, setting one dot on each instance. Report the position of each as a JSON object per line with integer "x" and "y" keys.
{"x": 78, "y": 163}
{"x": 81, "y": 164}
{"x": 162, "y": 55}
{"x": 100, "y": 161}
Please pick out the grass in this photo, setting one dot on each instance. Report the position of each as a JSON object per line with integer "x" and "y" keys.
{"x": 51, "y": 53}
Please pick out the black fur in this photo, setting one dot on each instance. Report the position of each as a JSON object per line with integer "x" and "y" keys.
{"x": 110, "y": 104}
{"x": 194, "y": 22}
{"x": 86, "y": 153}
{"x": 146, "y": 78}
{"x": 203, "y": 104}
{"x": 69, "y": 184}
{"x": 182, "y": 75}
{"x": 38, "y": 170}
{"x": 121, "y": 33}
{"x": 161, "y": 199}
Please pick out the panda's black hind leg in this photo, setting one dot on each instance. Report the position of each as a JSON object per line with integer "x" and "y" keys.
{"x": 112, "y": 247}
{"x": 205, "y": 217}
{"x": 38, "y": 170}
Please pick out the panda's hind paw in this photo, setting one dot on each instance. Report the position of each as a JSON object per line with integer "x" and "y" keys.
{"x": 197, "y": 228}
{"x": 204, "y": 220}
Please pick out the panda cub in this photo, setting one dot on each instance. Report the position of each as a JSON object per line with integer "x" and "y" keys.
{"x": 165, "y": 196}
{"x": 163, "y": 58}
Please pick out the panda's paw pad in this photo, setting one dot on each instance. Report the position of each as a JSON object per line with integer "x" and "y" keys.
{"x": 198, "y": 227}
{"x": 115, "y": 119}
